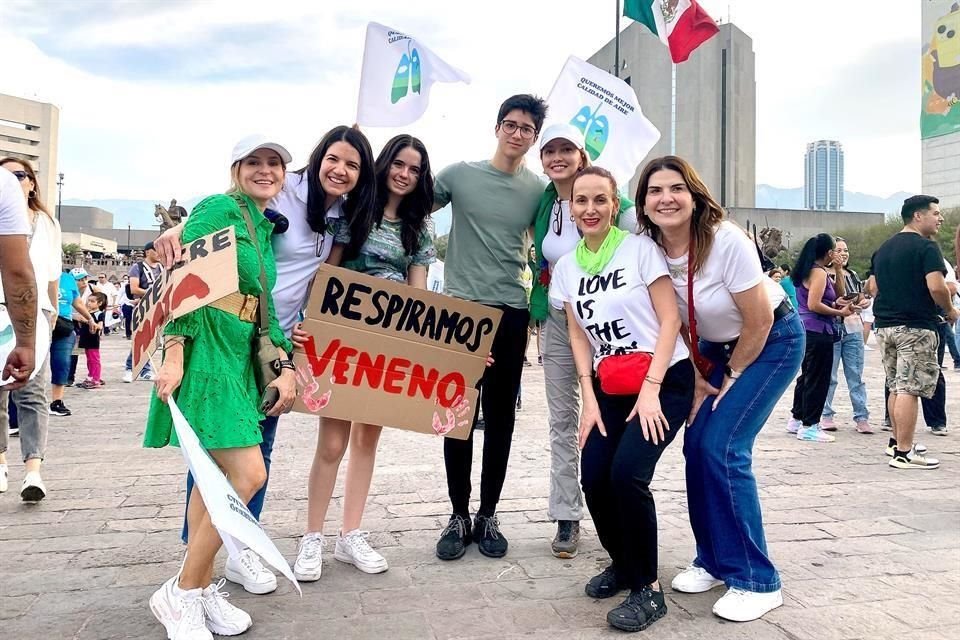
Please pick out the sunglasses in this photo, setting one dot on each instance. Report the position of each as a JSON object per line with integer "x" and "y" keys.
{"x": 21, "y": 175}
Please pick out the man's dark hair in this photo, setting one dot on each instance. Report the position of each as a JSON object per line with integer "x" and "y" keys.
{"x": 535, "y": 107}
{"x": 914, "y": 204}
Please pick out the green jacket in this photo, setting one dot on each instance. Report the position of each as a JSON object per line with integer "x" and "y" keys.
{"x": 539, "y": 304}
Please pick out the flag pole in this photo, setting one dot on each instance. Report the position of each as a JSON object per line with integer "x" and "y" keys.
{"x": 616, "y": 46}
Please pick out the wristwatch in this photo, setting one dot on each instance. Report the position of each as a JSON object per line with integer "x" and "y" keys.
{"x": 733, "y": 374}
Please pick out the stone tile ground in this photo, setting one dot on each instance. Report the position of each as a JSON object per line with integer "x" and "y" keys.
{"x": 865, "y": 551}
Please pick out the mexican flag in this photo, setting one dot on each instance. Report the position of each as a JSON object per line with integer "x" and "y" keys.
{"x": 680, "y": 24}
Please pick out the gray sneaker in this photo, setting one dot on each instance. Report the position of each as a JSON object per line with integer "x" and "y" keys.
{"x": 939, "y": 430}
{"x": 565, "y": 543}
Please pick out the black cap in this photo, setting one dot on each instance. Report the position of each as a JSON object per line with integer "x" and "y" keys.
{"x": 148, "y": 246}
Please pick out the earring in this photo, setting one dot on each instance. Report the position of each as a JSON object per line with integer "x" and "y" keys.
{"x": 32, "y": 194}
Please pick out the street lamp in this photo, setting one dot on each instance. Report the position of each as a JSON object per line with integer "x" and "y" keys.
{"x": 128, "y": 237}
{"x": 59, "y": 194}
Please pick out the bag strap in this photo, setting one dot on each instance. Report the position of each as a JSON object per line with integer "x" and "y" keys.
{"x": 691, "y": 256}
{"x": 263, "y": 274}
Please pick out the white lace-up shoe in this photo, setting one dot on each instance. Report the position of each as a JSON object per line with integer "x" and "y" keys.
{"x": 247, "y": 571}
{"x": 181, "y": 614}
{"x": 354, "y": 549}
{"x": 3, "y": 478}
{"x": 739, "y": 605}
{"x": 223, "y": 618}
{"x": 33, "y": 490}
{"x": 695, "y": 579}
{"x": 309, "y": 558}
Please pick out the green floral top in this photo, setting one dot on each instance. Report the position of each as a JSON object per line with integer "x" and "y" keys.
{"x": 383, "y": 255}
{"x": 218, "y": 395}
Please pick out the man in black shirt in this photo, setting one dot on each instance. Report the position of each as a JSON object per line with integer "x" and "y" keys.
{"x": 907, "y": 277}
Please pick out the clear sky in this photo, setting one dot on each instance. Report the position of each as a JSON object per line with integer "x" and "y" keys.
{"x": 153, "y": 94}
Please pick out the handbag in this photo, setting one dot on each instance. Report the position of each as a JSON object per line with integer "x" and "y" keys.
{"x": 266, "y": 364}
{"x": 703, "y": 364}
{"x": 623, "y": 375}
{"x": 62, "y": 328}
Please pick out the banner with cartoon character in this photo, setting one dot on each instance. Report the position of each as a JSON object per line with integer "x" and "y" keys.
{"x": 605, "y": 108}
{"x": 398, "y": 71}
{"x": 385, "y": 353}
{"x": 940, "y": 64}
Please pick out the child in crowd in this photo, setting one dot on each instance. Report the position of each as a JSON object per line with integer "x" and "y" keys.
{"x": 90, "y": 340}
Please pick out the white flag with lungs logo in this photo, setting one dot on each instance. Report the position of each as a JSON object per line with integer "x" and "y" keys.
{"x": 398, "y": 72}
{"x": 606, "y": 109}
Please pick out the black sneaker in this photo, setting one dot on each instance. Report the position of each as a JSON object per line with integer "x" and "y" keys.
{"x": 454, "y": 539}
{"x": 565, "y": 543}
{"x": 606, "y": 584}
{"x": 641, "y": 609}
{"x": 486, "y": 531}
{"x": 57, "y": 408}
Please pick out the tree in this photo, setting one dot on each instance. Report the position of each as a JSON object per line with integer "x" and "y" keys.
{"x": 441, "y": 245}
{"x": 71, "y": 248}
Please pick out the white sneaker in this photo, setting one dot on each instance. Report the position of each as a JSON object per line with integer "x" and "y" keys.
{"x": 182, "y": 615}
{"x": 128, "y": 376}
{"x": 695, "y": 579}
{"x": 3, "y": 478}
{"x": 354, "y": 549}
{"x": 247, "y": 571}
{"x": 309, "y": 558}
{"x": 33, "y": 489}
{"x": 146, "y": 376}
{"x": 223, "y": 618}
{"x": 738, "y": 605}
{"x": 793, "y": 425}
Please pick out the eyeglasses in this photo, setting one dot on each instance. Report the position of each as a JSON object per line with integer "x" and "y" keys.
{"x": 21, "y": 175}
{"x": 321, "y": 240}
{"x": 510, "y": 127}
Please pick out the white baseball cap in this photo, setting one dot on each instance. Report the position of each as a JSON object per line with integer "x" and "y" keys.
{"x": 563, "y": 130}
{"x": 251, "y": 143}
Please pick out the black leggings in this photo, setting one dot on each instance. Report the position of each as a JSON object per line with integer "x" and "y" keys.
{"x": 616, "y": 471}
{"x": 810, "y": 392}
{"x": 500, "y": 385}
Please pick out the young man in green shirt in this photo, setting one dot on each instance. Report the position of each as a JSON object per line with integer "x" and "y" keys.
{"x": 494, "y": 203}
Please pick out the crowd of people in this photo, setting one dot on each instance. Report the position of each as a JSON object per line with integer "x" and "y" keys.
{"x": 652, "y": 314}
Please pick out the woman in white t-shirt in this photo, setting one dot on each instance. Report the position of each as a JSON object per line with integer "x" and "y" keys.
{"x": 555, "y": 234}
{"x": 31, "y": 400}
{"x": 753, "y": 340}
{"x": 620, "y": 307}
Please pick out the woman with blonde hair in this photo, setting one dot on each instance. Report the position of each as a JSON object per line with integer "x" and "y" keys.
{"x": 747, "y": 343}
{"x": 31, "y": 400}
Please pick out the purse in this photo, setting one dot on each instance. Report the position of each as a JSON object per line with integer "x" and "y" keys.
{"x": 266, "y": 364}
{"x": 623, "y": 375}
{"x": 703, "y": 364}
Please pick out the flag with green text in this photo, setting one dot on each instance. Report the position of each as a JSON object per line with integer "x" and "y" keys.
{"x": 682, "y": 25}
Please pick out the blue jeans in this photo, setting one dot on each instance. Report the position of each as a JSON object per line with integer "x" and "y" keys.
{"x": 268, "y": 427}
{"x": 129, "y": 365}
{"x": 722, "y": 495}
{"x": 850, "y": 351}
{"x": 60, "y": 351}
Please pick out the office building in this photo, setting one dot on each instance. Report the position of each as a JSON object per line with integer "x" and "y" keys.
{"x": 823, "y": 176}
{"x": 716, "y": 105}
{"x": 29, "y": 131}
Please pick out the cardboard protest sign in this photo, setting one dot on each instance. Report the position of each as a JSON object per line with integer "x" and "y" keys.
{"x": 385, "y": 353}
{"x": 233, "y": 521}
{"x": 207, "y": 272}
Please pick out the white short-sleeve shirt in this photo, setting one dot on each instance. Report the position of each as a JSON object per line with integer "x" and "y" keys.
{"x": 732, "y": 266}
{"x": 614, "y": 307}
{"x": 13, "y": 206}
{"x": 299, "y": 252}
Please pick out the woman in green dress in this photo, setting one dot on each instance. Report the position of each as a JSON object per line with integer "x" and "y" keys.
{"x": 208, "y": 368}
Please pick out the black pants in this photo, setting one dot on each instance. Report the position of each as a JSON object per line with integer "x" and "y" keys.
{"x": 127, "y": 311}
{"x": 935, "y": 408}
{"x": 810, "y": 392}
{"x": 616, "y": 470}
{"x": 500, "y": 385}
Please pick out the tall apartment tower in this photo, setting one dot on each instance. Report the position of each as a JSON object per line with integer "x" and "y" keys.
{"x": 823, "y": 176}
{"x": 29, "y": 131}
{"x": 715, "y": 105}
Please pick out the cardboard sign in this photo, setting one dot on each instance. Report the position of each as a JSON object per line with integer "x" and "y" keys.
{"x": 385, "y": 353}
{"x": 206, "y": 273}
{"x": 236, "y": 525}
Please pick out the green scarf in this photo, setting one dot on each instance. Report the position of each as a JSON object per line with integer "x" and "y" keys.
{"x": 594, "y": 263}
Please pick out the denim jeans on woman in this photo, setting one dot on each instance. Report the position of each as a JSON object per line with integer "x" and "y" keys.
{"x": 850, "y": 351}
{"x": 722, "y": 495}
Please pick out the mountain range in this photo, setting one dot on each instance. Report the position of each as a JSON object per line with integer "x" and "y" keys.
{"x": 139, "y": 213}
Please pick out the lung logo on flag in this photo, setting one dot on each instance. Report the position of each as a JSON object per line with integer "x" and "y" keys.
{"x": 595, "y": 130}
{"x": 407, "y": 77}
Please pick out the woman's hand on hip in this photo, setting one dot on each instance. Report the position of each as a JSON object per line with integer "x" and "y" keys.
{"x": 286, "y": 384}
{"x": 168, "y": 379}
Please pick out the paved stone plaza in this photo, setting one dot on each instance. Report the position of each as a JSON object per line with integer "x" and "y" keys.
{"x": 865, "y": 551}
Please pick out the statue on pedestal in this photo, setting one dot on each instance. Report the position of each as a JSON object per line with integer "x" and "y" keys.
{"x": 169, "y": 217}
